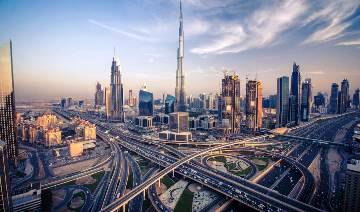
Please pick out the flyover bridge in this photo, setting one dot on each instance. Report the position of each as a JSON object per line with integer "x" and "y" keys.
{"x": 291, "y": 205}
{"x": 121, "y": 202}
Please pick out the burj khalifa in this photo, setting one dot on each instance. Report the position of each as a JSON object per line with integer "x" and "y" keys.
{"x": 180, "y": 78}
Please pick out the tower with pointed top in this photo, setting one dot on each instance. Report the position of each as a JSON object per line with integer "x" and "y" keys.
{"x": 180, "y": 78}
{"x": 116, "y": 86}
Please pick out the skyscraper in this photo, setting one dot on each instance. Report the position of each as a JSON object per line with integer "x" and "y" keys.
{"x": 306, "y": 100}
{"x": 253, "y": 104}
{"x": 131, "y": 99}
{"x": 319, "y": 100}
{"x": 146, "y": 105}
{"x": 282, "y": 103}
{"x": 169, "y": 104}
{"x": 5, "y": 191}
{"x": 7, "y": 101}
{"x": 295, "y": 91}
{"x": 99, "y": 95}
{"x": 345, "y": 98}
{"x": 230, "y": 102}
{"x": 356, "y": 99}
{"x": 334, "y": 98}
{"x": 352, "y": 187}
{"x": 180, "y": 77}
{"x": 117, "y": 110}
{"x": 107, "y": 102}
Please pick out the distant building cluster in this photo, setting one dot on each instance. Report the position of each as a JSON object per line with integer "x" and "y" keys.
{"x": 45, "y": 130}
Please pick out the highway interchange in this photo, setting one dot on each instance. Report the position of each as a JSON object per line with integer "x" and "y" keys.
{"x": 290, "y": 169}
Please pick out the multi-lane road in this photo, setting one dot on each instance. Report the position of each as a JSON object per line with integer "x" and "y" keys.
{"x": 251, "y": 194}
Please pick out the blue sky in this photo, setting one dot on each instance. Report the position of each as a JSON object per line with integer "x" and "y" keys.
{"x": 62, "y": 48}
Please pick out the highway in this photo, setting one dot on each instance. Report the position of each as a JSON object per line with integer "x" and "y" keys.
{"x": 244, "y": 191}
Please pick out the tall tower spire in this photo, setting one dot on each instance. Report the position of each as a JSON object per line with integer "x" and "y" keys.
{"x": 180, "y": 84}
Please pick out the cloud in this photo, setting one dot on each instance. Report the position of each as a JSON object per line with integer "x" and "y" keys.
{"x": 333, "y": 20}
{"x": 261, "y": 29}
{"x": 350, "y": 43}
{"x": 136, "y": 36}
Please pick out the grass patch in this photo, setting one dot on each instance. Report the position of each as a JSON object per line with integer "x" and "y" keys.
{"x": 167, "y": 181}
{"x": 219, "y": 159}
{"x": 78, "y": 209}
{"x": 20, "y": 174}
{"x": 185, "y": 201}
{"x": 230, "y": 166}
{"x": 243, "y": 172}
{"x": 260, "y": 162}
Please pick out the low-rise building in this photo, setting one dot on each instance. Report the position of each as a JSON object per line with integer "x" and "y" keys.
{"x": 175, "y": 136}
{"x": 76, "y": 149}
{"x": 144, "y": 122}
{"x": 52, "y": 137}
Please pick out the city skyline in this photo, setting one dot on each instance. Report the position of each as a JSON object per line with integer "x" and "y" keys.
{"x": 324, "y": 43}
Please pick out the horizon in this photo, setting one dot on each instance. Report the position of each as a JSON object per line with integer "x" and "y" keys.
{"x": 251, "y": 38}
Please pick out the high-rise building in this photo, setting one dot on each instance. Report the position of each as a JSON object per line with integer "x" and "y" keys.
{"x": 63, "y": 103}
{"x": 253, "y": 104}
{"x": 180, "y": 77}
{"x": 319, "y": 100}
{"x": 230, "y": 103}
{"x": 295, "y": 91}
{"x": 5, "y": 191}
{"x": 345, "y": 98}
{"x": 292, "y": 110}
{"x": 131, "y": 99}
{"x": 146, "y": 105}
{"x": 99, "y": 95}
{"x": 117, "y": 110}
{"x": 107, "y": 102}
{"x": 352, "y": 187}
{"x": 334, "y": 98}
{"x": 70, "y": 102}
{"x": 282, "y": 103}
{"x": 7, "y": 101}
{"x": 356, "y": 98}
{"x": 306, "y": 100}
{"x": 169, "y": 104}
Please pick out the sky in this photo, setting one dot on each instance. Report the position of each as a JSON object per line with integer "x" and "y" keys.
{"x": 62, "y": 48}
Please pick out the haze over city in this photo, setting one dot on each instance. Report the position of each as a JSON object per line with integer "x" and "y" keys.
{"x": 180, "y": 105}
{"x": 63, "y": 48}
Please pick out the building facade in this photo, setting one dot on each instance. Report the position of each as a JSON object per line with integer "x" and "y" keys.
{"x": 345, "y": 97}
{"x": 253, "y": 107}
{"x": 352, "y": 187}
{"x": 117, "y": 110}
{"x": 356, "y": 99}
{"x": 306, "y": 100}
{"x": 230, "y": 103}
{"x": 296, "y": 92}
{"x": 99, "y": 95}
{"x": 107, "y": 102}
{"x": 7, "y": 101}
{"x": 146, "y": 103}
{"x": 282, "y": 103}
{"x": 333, "y": 107}
{"x": 5, "y": 191}
{"x": 170, "y": 104}
{"x": 180, "y": 77}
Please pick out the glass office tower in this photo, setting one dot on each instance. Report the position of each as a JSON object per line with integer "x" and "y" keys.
{"x": 145, "y": 103}
{"x": 7, "y": 101}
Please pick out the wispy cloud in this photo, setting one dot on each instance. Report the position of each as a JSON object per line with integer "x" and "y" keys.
{"x": 132, "y": 35}
{"x": 259, "y": 30}
{"x": 333, "y": 20}
{"x": 350, "y": 43}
